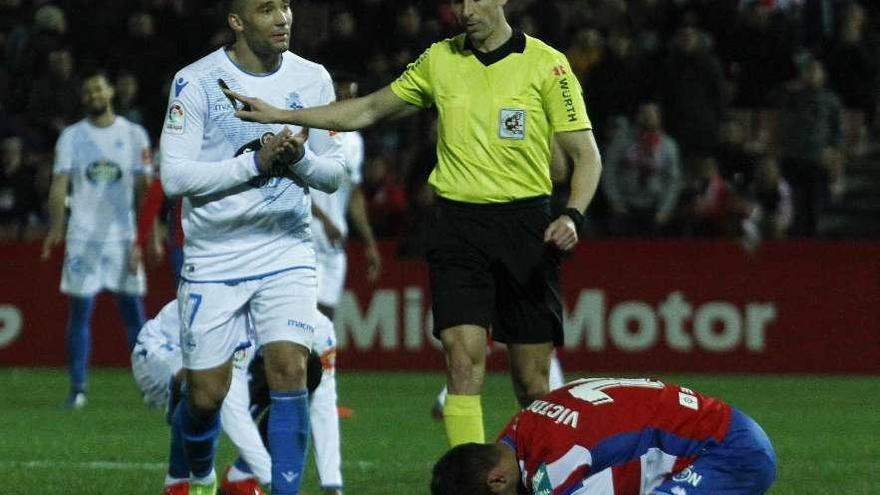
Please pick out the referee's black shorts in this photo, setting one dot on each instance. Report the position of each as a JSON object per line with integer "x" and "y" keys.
{"x": 491, "y": 267}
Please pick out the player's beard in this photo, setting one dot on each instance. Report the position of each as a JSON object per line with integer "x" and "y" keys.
{"x": 266, "y": 48}
{"x": 97, "y": 110}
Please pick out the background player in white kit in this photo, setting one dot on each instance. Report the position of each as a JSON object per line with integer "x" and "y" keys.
{"x": 330, "y": 231}
{"x": 246, "y": 219}
{"x": 105, "y": 161}
{"x": 157, "y": 358}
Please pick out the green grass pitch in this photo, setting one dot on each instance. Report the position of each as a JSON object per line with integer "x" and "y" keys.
{"x": 825, "y": 430}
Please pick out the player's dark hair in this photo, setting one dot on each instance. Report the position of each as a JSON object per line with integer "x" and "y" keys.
{"x": 232, "y": 7}
{"x": 464, "y": 469}
{"x": 96, "y": 72}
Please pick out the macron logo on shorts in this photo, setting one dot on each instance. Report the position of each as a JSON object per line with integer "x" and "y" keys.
{"x": 301, "y": 325}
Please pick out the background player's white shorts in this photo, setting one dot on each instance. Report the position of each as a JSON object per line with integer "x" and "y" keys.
{"x": 331, "y": 266}
{"x": 153, "y": 370}
{"x": 90, "y": 267}
{"x": 282, "y": 307}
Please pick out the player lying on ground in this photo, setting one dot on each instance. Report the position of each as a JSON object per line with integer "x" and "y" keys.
{"x": 158, "y": 370}
{"x": 610, "y": 436}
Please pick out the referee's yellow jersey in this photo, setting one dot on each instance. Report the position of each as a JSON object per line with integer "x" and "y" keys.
{"x": 498, "y": 113}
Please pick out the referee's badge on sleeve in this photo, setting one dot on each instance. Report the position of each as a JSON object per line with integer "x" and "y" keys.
{"x": 175, "y": 121}
{"x": 512, "y": 123}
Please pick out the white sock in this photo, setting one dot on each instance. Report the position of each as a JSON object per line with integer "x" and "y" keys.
{"x": 441, "y": 397}
{"x": 207, "y": 480}
{"x": 169, "y": 480}
{"x": 557, "y": 378}
{"x": 235, "y": 474}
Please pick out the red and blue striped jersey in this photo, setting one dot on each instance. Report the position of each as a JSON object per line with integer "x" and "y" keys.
{"x": 612, "y": 436}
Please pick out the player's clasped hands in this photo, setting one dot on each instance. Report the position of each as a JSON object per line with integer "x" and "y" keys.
{"x": 562, "y": 234}
{"x": 252, "y": 109}
{"x": 283, "y": 149}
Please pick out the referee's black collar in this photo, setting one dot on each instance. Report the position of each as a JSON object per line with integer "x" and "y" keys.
{"x": 516, "y": 44}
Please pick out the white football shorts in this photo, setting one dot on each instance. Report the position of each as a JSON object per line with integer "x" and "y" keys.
{"x": 331, "y": 267}
{"x": 282, "y": 307}
{"x": 90, "y": 267}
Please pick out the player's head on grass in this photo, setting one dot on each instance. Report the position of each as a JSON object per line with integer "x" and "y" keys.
{"x": 96, "y": 93}
{"x": 263, "y": 26}
{"x": 477, "y": 469}
{"x": 482, "y": 20}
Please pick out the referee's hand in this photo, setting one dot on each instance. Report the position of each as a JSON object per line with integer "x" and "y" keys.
{"x": 253, "y": 109}
{"x": 562, "y": 233}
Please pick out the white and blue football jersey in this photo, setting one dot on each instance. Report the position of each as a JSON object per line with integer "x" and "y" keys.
{"x": 102, "y": 164}
{"x": 335, "y": 205}
{"x": 240, "y": 224}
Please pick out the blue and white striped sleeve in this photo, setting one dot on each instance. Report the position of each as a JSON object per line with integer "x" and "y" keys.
{"x": 181, "y": 143}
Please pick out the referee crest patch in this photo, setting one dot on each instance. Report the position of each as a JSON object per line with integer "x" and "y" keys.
{"x": 512, "y": 123}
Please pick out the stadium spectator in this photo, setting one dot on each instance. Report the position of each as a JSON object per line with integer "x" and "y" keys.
{"x": 23, "y": 189}
{"x": 11, "y": 161}
{"x": 820, "y": 21}
{"x": 617, "y": 83}
{"x": 761, "y": 51}
{"x": 772, "y": 208}
{"x": 585, "y": 51}
{"x": 53, "y": 102}
{"x": 717, "y": 210}
{"x": 691, "y": 93}
{"x": 854, "y": 64}
{"x": 28, "y": 48}
{"x": 495, "y": 248}
{"x": 105, "y": 160}
{"x": 345, "y": 48}
{"x": 643, "y": 177}
{"x": 410, "y": 38}
{"x": 736, "y": 155}
{"x": 620, "y": 436}
{"x": 126, "y": 98}
{"x": 144, "y": 53}
{"x": 810, "y": 146}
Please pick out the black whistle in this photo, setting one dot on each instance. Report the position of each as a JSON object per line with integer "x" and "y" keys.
{"x": 232, "y": 100}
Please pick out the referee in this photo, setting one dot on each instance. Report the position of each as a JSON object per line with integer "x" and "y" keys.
{"x": 502, "y": 98}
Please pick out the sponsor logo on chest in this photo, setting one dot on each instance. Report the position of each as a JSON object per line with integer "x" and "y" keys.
{"x": 103, "y": 171}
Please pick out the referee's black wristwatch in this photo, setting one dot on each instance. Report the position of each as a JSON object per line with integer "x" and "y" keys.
{"x": 576, "y": 217}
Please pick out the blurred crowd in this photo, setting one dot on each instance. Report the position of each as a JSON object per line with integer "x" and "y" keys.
{"x": 723, "y": 118}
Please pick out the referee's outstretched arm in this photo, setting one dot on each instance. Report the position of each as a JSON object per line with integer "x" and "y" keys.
{"x": 348, "y": 115}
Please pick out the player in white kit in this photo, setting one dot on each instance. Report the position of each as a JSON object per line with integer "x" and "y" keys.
{"x": 156, "y": 360}
{"x": 330, "y": 231}
{"x": 105, "y": 161}
{"x": 246, "y": 213}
